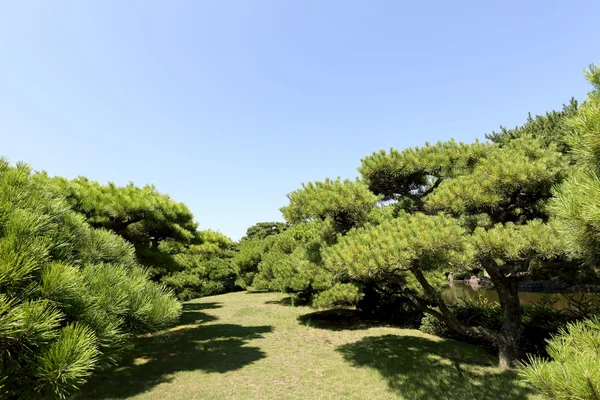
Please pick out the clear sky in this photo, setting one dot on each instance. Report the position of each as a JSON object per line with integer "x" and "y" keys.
{"x": 229, "y": 105}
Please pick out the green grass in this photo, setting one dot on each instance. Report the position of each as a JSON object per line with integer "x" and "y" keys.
{"x": 256, "y": 346}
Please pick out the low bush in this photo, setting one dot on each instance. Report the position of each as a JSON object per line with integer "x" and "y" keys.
{"x": 388, "y": 303}
{"x": 208, "y": 278}
{"x": 340, "y": 294}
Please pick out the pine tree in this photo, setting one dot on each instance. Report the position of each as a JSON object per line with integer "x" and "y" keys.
{"x": 317, "y": 214}
{"x": 550, "y": 128}
{"x": 206, "y": 268}
{"x": 411, "y": 175}
{"x": 341, "y": 204}
{"x": 574, "y": 369}
{"x": 292, "y": 263}
{"x": 496, "y": 194}
{"x": 71, "y": 295}
{"x": 141, "y": 215}
{"x": 577, "y": 202}
{"x": 248, "y": 258}
{"x": 261, "y": 230}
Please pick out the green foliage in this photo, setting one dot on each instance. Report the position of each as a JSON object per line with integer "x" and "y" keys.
{"x": 207, "y": 278}
{"x": 577, "y": 208}
{"x": 293, "y": 261}
{"x": 398, "y": 245}
{"x": 101, "y": 246}
{"x": 343, "y": 204}
{"x": 249, "y": 256}
{"x": 382, "y": 213}
{"x": 263, "y": 229}
{"x": 383, "y": 258}
{"x": 210, "y": 245}
{"x": 413, "y": 173}
{"x": 206, "y": 268}
{"x": 387, "y": 300}
{"x": 340, "y": 294}
{"x": 474, "y": 312}
{"x": 512, "y": 183}
{"x": 71, "y": 294}
{"x": 65, "y": 364}
{"x": 216, "y": 243}
{"x": 189, "y": 285}
{"x": 574, "y": 369}
{"x": 577, "y": 200}
{"x": 550, "y": 128}
{"x": 520, "y": 247}
{"x": 540, "y": 321}
{"x": 156, "y": 216}
{"x": 143, "y": 216}
{"x": 128, "y": 296}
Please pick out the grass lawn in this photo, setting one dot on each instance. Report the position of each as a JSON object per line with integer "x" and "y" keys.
{"x": 256, "y": 346}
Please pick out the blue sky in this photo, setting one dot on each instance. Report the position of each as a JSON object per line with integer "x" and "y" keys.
{"x": 229, "y": 105}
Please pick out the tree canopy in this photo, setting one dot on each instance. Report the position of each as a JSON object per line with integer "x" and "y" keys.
{"x": 263, "y": 229}
{"x": 141, "y": 215}
{"x": 71, "y": 295}
{"x": 342, "y": 204}
{"x": 551, "y": 128}
{"x": 577, "y": 201}
{"x": 412, "y": 174}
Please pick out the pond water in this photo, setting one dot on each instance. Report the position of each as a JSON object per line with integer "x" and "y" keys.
{"x": 464, "y": 291}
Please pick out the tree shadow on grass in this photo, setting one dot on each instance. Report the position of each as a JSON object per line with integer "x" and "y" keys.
{"x": 337, "y": 319}
{"x": 201, "y": 306}
{"x": 286, "y": 301}
{"x": 192, "y": 315}
{"x": 289, "y": 301}
{"x": 417, "y": 368}
{"x": 152, "y": 360}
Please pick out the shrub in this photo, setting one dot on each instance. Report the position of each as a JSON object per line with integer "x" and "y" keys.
{"x": 388, "y": 303}
{"x": 208, "y": 278}
{"x": 250, "y": 254}
{"x": 292, "y": 262}
{"x": 341, "y": 294}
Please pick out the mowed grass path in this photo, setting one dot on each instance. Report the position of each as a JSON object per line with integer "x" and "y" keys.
{"x": 256, "y": 346}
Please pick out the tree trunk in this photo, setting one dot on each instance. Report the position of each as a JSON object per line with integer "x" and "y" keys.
{"x": 510, "y": 332}
{"x": 508, "y": 354}
{"x": 444, "y": 314}
{"x": 507, "y": 338}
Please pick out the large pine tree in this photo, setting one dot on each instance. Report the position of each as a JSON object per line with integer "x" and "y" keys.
{"x": 491, "y": 202}
{"x": 71, "y": 295}
{"x": 574, "y": 370}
